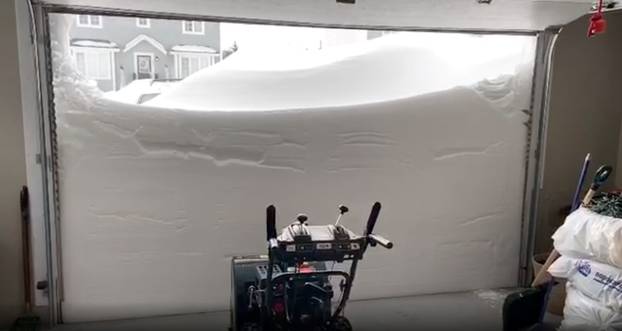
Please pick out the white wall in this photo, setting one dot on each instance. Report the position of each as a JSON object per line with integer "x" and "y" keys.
{"x": 584, "y": 117}
{"x": 12, "y": 169}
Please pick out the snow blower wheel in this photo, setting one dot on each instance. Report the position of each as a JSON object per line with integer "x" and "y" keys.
{"x": 290, "y": 288}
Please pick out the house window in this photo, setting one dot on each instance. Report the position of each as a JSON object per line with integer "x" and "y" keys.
{"x": 193, "y": 27}
{"x": 94, "y": 64}
{"x": 143, "y": 22}
{"x": 187, "y": 64}
{"x": 90, "y": 21}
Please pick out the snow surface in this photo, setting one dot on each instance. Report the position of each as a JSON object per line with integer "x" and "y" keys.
{"x": 156, "y": 201}
{"x": 396, "y": 66}
{"x": 494, "y": 298}
{"x": 193, "y": 49}
{"x": 138, "y": 88}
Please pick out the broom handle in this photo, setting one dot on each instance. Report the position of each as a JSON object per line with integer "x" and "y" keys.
{"x": 26, "y": 254}
{"x": 588, "y": 197}
{"x": 542, "y": 276}
{"x": 575, "y": 198}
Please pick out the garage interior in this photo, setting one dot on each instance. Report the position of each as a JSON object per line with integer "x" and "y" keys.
{"x": 155, "y": 151}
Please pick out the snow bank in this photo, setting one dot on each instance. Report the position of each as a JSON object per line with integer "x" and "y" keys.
{"x": 396, "y": 66}
{"x": 138, "y": 88}
{"x": 156, "y": 201}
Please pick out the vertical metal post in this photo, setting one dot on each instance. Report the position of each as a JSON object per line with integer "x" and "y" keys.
{"x": 43, "y": 70}
{"x": 266, "y": 312}
{"x": 537, "y": 141}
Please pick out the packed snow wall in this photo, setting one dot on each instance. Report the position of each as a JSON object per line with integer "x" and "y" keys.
{"x": 155, "y": 200}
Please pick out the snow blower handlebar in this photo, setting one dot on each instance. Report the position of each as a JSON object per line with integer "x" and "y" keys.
{"x": 272, "y": 246}
{"x": 373, "y": 217}
{"x": 374, "y": 239}
{"x": 271, "y": 226}
{"x": 380, "y": 240}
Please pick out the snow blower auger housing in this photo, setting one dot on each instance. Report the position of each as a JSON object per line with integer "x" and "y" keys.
{"x": 291, "y": 288}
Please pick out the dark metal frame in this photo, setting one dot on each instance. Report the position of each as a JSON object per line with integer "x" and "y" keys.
{"x": 348, "y": 277}
{"x": 534, "y": 169}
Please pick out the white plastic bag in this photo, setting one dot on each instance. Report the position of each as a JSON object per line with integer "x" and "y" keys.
{"x": 586, "y": 234}
{"x": 598, "y": 281}
{"x": 583, "y": 313}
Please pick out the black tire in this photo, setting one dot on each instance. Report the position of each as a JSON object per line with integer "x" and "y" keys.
{"x": 340, "y": 324}
{"x": 251, "y": 327}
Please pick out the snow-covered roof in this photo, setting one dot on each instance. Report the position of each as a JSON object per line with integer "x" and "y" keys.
{"x": 142, "y": 37}
{"x": 95, "y": 43}
{"x": 192, "y": 49}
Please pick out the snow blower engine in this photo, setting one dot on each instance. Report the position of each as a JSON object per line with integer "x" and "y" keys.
{"x": 292, "y": 288}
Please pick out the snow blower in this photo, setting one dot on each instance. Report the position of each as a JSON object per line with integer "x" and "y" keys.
{"x": 292, "y": 287}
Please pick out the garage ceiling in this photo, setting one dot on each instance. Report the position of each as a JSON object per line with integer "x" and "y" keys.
{"x": 516, "y": 15}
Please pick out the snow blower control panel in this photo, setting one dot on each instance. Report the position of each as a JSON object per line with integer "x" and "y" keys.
{"x": 300, "y": 242}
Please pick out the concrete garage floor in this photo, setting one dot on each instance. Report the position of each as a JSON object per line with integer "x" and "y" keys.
{"x": 479, "y": 310}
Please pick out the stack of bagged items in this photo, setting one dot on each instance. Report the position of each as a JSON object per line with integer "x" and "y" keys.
{"x": 590, "y": 245}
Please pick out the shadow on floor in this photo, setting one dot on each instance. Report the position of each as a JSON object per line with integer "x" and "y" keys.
{"x": 479, "y": 310}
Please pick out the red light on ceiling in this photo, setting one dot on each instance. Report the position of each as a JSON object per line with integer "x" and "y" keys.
{"x": 598, "y": 24}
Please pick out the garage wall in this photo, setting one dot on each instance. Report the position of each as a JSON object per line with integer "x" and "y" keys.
{"x": 12, "y": 169}
{"x": 584, "y": 117}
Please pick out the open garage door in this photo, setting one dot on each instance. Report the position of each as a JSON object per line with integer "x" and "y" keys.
{"x": 162, "y": 179}
{"x": 156, "y": 198}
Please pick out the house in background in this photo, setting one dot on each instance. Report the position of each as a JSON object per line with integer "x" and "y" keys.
{"x": 114, "y": 51}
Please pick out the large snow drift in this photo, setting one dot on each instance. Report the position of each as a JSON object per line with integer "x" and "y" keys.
{"x": 155, "y": 201}
{"x": 396, "y": 66}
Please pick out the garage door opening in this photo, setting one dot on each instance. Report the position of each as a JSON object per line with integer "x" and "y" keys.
{"x": 173, "y": 137}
